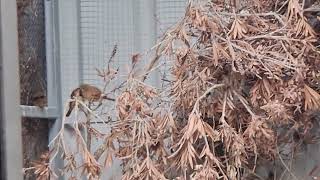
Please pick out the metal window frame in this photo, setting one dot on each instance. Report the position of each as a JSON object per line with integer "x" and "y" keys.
{"x": 10, "y": 93}
{"x": 53, "y": 65}
{"x": 53, "y": 111}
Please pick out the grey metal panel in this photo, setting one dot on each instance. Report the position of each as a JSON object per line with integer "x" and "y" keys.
{"x": 66, "y": 57}
{"x": 145, "y": 31}
{"x": 10, "y": 98}
{"x": 102, "y": 25}
{"x": 68, "y": 46}
{"x": 53, "y": 66}
{"x": 168, "y": 13}
{"x": 52, "y": 80}
{"x": 53, "y": 59}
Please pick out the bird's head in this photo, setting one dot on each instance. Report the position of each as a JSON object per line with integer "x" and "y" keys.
{"x": 76, "y": 93}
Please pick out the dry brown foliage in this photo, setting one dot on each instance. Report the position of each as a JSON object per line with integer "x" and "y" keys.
{"x": 237, "y": 78}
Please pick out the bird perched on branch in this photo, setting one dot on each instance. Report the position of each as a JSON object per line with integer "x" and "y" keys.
{"x": 88, "y": 93}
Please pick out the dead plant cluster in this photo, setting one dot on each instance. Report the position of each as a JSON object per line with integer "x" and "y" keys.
{"x": 244, "y": 83}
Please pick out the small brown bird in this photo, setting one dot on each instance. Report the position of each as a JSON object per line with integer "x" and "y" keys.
{"x": 88, "y": 93}
{"x": 39, "y": 99}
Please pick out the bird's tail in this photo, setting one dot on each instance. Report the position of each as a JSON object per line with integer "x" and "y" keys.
{"x": 69, "y": 112}
{"x": 71, "y": 106}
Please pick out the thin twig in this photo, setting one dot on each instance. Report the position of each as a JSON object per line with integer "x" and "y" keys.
{"x": 285, "y": 165}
